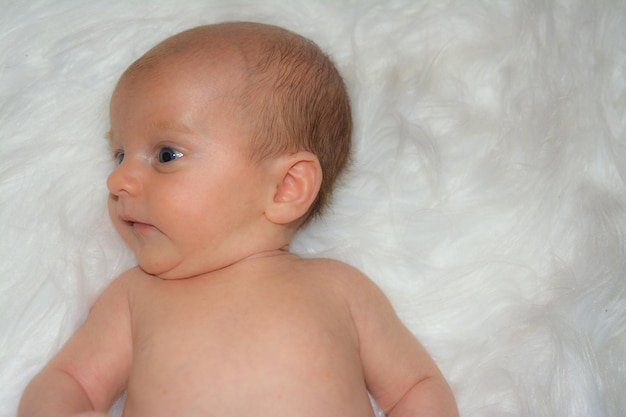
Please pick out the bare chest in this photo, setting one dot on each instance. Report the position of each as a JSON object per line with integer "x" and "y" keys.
{"x": 238, "y": 350}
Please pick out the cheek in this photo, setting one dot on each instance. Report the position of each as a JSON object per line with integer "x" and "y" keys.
{"x": 118, "y": 224}
{"x": 210, "y": 198}
{"x": 193, "y": 196}
{"x": 112, "y": 208}
{"x": 113, "y": 216}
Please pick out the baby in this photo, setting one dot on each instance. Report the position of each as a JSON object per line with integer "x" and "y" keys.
{"x": 228, "y": 138}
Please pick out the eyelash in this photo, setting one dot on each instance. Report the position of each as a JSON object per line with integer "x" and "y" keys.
{"x": 164, "y": 155}
{"x": 171, "y": 154}
{"x": 118, "y": 157}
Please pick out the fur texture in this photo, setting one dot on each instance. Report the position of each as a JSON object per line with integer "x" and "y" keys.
{"x": 487, "y": 194}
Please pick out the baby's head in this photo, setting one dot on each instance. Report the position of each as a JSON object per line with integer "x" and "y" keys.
{"x": 228, "y": 138}
{"x": 290, "y": 98}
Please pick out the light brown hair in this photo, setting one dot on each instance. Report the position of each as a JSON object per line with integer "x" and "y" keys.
{"x": 303, "y": 105}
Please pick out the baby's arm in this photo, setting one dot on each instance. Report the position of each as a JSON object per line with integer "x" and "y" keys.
{"x": 90, "y": 371}
{"x": 401, "y": 376}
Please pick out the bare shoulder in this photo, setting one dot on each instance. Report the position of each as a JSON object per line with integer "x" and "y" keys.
{"x": 125, "y": 280}
{"x": 354, "y": 286}
{"x": 111, "y": 310}
{"x": 328, "y": 266}
{"x": 335, "y": 271}
{"x": 124, "y": 285}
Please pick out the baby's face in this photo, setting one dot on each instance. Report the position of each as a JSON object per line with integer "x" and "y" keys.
{"x": 184, "y": 195}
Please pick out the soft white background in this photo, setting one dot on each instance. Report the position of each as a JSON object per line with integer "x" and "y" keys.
{"x": 487, "y": 195}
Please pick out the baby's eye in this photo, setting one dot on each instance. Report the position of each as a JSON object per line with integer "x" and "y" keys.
{"x": 118, "y": 157}
{"x": 168, "y": 154}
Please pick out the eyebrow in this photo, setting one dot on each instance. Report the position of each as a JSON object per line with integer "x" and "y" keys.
{"x": 165, "y": 125}
{"x": 171, "y": 125}
{"x": 108, "y": 136}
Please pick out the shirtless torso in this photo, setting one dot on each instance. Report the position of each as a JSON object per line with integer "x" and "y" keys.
{"x": 276, "y": 339}
{"x": 270, "y": 336}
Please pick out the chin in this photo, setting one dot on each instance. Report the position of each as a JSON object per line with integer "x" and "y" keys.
{"x": 160, "y": 267}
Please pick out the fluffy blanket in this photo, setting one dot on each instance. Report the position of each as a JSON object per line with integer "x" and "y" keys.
{"x": 487, "y": 195}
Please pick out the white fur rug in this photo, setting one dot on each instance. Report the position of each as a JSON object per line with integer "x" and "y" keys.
{"x": 487, "y": 197}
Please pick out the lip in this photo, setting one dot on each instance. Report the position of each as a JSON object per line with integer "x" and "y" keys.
{"x": 138, "y": 226}
{"x": 141, "y": 227}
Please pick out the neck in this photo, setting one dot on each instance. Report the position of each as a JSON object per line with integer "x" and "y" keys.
{"x": 265, "y": 254}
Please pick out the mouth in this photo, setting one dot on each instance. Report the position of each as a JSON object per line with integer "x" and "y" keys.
{"x": 136, "y": 225}
{"x": 141, "y": 227}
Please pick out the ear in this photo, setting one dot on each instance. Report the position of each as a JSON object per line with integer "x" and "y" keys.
{"x": 297, "y": 180}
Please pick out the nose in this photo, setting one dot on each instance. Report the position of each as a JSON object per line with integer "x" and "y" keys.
{"x": 125, "y": 179}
